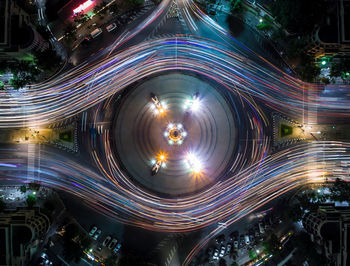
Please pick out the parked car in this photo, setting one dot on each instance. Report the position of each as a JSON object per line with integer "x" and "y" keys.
{"x": 113, "y": 243}
{"x": 241, "y": 241}
{"x": 111, "y": 27}
{"x": 261, "y": 228}
{"x": 97, "y": 234}
{"x": 246, "y": 240}
{"x": 235, "y": 244}
{"x": 228, "y": 248}
{"x": 99, "y": 248}
{"x": 220, "y": 239}
{"x": 117, "y": 248}
{"x": 216, "y": 254}
{"x": 96, "y": 33}
{"x": 93, "y": 231}
{"x": 106, "y": 241}
{"x": 222, "y": 251}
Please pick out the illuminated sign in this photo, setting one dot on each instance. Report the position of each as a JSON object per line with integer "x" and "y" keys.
{"x": 83, "y": 6}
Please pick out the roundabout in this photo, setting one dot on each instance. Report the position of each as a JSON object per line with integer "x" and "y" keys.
{"x": 175, "y": 134}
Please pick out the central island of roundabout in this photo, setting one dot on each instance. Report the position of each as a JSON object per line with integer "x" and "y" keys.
{"x": 175, "y": 134}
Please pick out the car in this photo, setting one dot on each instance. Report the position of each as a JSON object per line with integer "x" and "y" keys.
{"x": 228, "y": 248}
{"x": 99, "y": 248}
{"x": 210, "y": 252}
{"x": 222, "y": 251}
{"x": 93, "y": 231}
{"x": 241, "y": 241}
{"x": 261, "y": 228}
{"x": 157, "y": 105}
{"x": 216, "y": 254}
{"x": 85, "y": 42}
{"x": 111, "y": 27}
{"x": 251, "y": 238}
{"x": 113, "y": 243}
{"x": 246, "y": 240}
{"x": 157, "y": 164}
{"x": 106, "y": 241}
{"x": 117, "y": 248}
{"x": 97, "y": 234}
{"x": 235, "y": 244}
{"x": 220, "y": 239}
{"x": 95, "y": 33}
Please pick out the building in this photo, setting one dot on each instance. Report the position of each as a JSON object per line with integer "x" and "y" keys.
{"x": 18, "y": 36}
{"x": 329, "y": 226}
{"x": 20, "y": 231}
{"x": 333, "y": 38}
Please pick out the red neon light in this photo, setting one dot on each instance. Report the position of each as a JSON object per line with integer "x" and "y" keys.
{"x": 83, "y": 6}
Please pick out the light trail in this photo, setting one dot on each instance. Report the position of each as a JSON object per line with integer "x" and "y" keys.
{"x": 84, "y": 87}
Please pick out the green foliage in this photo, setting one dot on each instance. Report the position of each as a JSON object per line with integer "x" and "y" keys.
{"x": 110, "y": 261}
{"x": 2, "y": 205}
{"x": 285, "y": 130}
{"x": 34, "y": 186}
{"x": 98, "y": 9}
{"x": 299, "y": 16}
{"x": 81, "y": 18}
{"x": 48, "y": 59}
{"x": 66, "y": 135}
{"x": 134, "y": 3}
{"x": 23, "y": 189}
{"x": 341, "y": 69}
{"x": 114, "y": 8}
{"x": 263, "y": 26}
{"x": 308, "y": 250}
{"x": 271, "y": 245}
{"x": 236, "y": 6}
{"x": 31, "y": 200}
{"x": 69, "y": 33}
{"x": 307, "y": 69}
{"x": 340, "y": 190}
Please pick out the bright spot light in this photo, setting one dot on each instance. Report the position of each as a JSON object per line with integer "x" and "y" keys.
{"x": 166, "y": 134}
{"x": 171, "y": 142}
{"x": 162, "y": 157}
{"x": 161, "y": 110}
{"x": 318, "y": 132}
{"x": 156, "y": 111}
{"x": 170, "y": 125}
{"x": 179, "y": 142}
{"x": 34, "y": 193}
{"x": 179, "y": 126}
{"x": 163, "y": 105}
{"x": 194, "y": 163}
{"x": 261, "y": 20}
{"x": 184, "y": 134}
{"x": 163, "y": 165}
{"x": 318, "y": 190}
{"x": 153, "y": 161}
{"x": 153, "y": 106}
{"x": 323, "y": 62}
{"x": 195, "y": 105}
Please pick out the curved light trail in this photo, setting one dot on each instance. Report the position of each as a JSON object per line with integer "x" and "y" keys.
{"x": 85, "y": 86}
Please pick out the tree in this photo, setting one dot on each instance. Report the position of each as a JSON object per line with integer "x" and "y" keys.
{"x": 134, "y": 3}
{"x": 110, "y": 261}
{"x": 114, "y": 8}
{"x": 341, "y": 69}
{"x": 34, "y": 186}
{"x": 31, "y": 200}
{"x": 2, "y": 205}
{"x": 299, "y": 16}
{"x": 340, "y": 190}
{"x": 47, "y": 59}
{"x": 100, "y": 9}
{"x": 85, "y": 241}
{"x": 69, "y": 33}
{"x": 271, "y": 245}
{"x": 222, "y": 262}
{"x": 80, "y": 18}
{"x": 23, "y": 189}
{"x": 236, "y": 6}
{"x": 307, "y": 69}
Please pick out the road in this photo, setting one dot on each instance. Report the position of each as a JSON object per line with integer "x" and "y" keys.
{"x": 256, "y": 83}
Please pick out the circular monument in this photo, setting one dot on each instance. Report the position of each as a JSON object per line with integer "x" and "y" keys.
{"x": 175, "y": 134}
